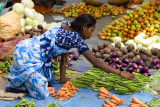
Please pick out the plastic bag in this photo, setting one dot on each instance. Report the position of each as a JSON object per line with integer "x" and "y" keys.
{"x": 7, "y": 47}
{"x": 9, "y": 25}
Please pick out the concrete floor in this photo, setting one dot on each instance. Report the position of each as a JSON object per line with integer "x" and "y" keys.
{"x": 94, "y": 40}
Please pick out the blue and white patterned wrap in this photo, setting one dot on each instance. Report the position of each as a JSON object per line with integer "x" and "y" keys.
{"x": 32, "y": 56}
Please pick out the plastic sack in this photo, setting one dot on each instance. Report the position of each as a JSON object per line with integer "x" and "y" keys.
{"x": 7, "y": 47}
{"x": 10, "y": 25}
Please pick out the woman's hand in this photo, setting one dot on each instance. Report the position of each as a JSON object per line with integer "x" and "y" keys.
{"x": 127, "y": 75}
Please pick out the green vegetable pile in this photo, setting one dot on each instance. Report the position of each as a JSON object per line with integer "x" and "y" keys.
{"x": 26, "y": 103}
{"x": 154, "y": 103}
{"x": 56, "y": 67}
{"x": 6, "y": 64}
{"x": 98, "y": 78}
{"x": 88, "y": 78}
{"x": 52, "y": 105}
{"x": 122, "y": 85}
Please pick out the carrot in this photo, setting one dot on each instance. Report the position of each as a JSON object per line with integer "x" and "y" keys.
{"x": 101, "y": 97}
{"x": 50, "y": 92}
{"x": 115, "y": 102}
{"x": 50, "y": 88}
{"x": 1, "y": 72}
{"x": 135, "y": 100}
{"x": 103, "y": 91}
{"x": 109, "y": 103}
{"x": 105, "y": 105}
{"x": 116, "y": 99}
{"x": 101, "y": 94}
{"x": 53, "y": 90}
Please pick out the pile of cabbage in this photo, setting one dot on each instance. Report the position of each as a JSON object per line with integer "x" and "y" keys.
{"x": 29, "y": 17}
{"x": 140, "y": 41}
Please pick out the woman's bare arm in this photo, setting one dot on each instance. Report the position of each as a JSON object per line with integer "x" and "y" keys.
{"x": 64, "y": 59}
{"x": 105, "y": 67}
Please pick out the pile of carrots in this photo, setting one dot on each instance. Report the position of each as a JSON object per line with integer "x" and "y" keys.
{"x": 65, "y": 92}
{"x": 114, "y": 101}
{"x": 137, "y": 103}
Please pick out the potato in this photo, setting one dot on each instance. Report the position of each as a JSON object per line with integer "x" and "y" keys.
{"x": 123, "y": 50}
{"x": 97, "y": 55}
{"x": 118, "y": 45}
{"x": 100, "y": 46}
{"x": 130, "y": 55}
{"x": 119, "y": 53}
{"x": 142, "y": 51}
{"x": 154, "y": 51}
{"x": 101, "y": 51}
{"x": 107, "y": 50}
{"x": 105, "y": 56}
{"x": 106, "y": 44}
{"x": 40, "y": 26}
{"x": 130, "y": 47}
{"x": 95, "y": 49}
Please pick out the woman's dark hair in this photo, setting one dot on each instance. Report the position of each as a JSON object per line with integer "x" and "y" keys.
{"x": 82, "y": 20}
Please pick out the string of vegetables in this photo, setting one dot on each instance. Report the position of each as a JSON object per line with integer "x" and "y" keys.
{"x": 6, "y": 64}
{"x": 98, "y": 78}
{"x": 88, "y": 78}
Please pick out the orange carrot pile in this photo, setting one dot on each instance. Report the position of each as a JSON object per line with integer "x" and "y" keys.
{"x": 103, "y": 93}
{"x": 114, "y": 101}
{"x": 137, "y": 103}
{"x": 66, "y": 91}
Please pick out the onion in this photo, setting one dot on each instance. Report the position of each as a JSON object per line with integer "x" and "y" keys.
{"x": 71, "y": 56}
{"x": 69, "y": 62}
{"x": 150, "y": 66}
{"x": 139, "y": 62}
{"x": 107, "y": 63}
{"x": 126, "y": 60}
{"x": 144, "y": 69}
{"x": 124, "y": 65}
{"x": 155, "y": 61}
{"x": 113, "y": 60}
{"x": 75, "y": 58}
{"x": 118, "y": 62}
{"x": 117, "y": 66}
{"x": 130, "y": 69}
{"x": 134, "y": 65}
{"x": 134, "y": 70}
{"x": 157, "y": 66}
{"x": 108, "y": 59}
{"x": 149, "y": 73}
{"x": 145, "y": 73}
{"x": 112, "y": 65}
{"x": 139, "y": 67}
{"x": 72, "y": 52}
{"x": 114, "y": 55}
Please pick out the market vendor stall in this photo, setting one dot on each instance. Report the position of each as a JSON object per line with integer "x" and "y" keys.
{"x": 86, "y": 80}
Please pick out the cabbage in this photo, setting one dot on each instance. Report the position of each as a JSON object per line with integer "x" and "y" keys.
{"x": 18, "y": 7}
{"x": 29, "y": 21}
{"x": 143, "y": 35}
{"x": 113, "y": 44}
{"x": 21, "y": 15}
{"x": 28, "y": 27}
{"x": 35, "y": 23}
{"x": 22, "y": 29}
{"x": 129, "y": 42}
{"x": 116, "y": 39}
{"x": 22, "y": 22}
{"x": 28, "y": 3}
{"x": 145, "y": 42}
{"x": 139, "y": 46}
{"x": 138, "y": 39}
{"x": 39, "y": 17}
{"x": 29, "y": 13}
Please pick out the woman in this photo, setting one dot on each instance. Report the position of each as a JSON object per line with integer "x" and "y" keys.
{"x": 32, "y": 64}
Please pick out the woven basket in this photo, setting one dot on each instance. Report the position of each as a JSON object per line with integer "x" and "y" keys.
{"x": 118, "y": 2}
{"x": 96, "y": 3}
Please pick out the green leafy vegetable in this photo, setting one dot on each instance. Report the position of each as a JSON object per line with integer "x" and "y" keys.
{"x": 154, "y": 103}
{"x": 25, "y": 103}
{"x": 52, "y": 105}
